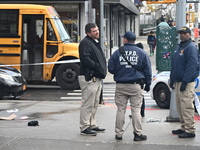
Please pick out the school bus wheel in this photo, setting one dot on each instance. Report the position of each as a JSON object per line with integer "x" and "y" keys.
{"x": 67, "y": 76}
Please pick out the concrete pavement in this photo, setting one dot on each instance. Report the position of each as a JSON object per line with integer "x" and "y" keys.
{"x": 59, "y": 127}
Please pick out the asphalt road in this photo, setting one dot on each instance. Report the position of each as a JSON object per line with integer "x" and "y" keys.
{"x": 55, "y": 93}
{"x": 44, "y": 93}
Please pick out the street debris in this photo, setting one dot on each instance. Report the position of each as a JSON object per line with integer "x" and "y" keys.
{"x": 23, "y": 118}
{"x": 11, "y": 117}
{"x": 33, "y": 123}
{"x": 152, "y": 120}
{"x": 12, "y": 110}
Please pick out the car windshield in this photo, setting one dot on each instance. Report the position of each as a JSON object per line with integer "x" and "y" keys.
{"x": 64, "y": 35}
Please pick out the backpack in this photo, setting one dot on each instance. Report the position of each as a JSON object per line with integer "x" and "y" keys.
{"x": 151, "y": 38}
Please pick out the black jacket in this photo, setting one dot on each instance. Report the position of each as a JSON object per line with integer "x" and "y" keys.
{"x": 92, "y": 58}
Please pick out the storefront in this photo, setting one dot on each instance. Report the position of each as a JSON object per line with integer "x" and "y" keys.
{"x": 124, "y": 16}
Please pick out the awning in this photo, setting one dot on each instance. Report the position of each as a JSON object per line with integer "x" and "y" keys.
{"x": 129, "y": 4}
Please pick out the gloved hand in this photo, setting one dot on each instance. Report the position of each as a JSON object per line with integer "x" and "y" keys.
{"x": 183, "y": 86}
{"x": 147, "y": 88}
{"x": 88, "y": 75}
{"x": 171, "y": 84}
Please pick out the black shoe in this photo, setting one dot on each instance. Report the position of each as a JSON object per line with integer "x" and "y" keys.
{"x": 186, "y": 135}
{"x": 98, "y": 129}
{"x": 140, "y": 137}
{"x": 88, "y": 132}
{"x": 118, "y": 138}
{"x": 179, "y": 131}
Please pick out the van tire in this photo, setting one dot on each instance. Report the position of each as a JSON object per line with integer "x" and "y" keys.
{"x": 67, "y": 76}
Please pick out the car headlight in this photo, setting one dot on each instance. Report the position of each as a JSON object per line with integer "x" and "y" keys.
{"x": 19, "y": 71}
{"x": 8, "y": 79}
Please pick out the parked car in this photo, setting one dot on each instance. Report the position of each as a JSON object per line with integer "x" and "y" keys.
{"x": 161, "y": 92}
{"x": 12, "y": 83}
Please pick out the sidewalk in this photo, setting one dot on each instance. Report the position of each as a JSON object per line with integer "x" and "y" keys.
{"x": 59, "y": 129}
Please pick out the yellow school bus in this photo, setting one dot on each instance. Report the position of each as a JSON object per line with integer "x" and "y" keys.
{"x": 34, "y": 37}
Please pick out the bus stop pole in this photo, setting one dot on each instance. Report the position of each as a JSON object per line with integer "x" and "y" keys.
{"x": 173, "y": 113}
{"x": 180, "y": 15}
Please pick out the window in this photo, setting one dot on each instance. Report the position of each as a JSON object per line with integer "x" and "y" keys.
{"x": 50, "y": 32}
{"x": 39, "y": 32}
{"x": 9, "y": 23}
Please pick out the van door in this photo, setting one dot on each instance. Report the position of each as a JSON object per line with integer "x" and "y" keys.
{"x": 32, "y": 46}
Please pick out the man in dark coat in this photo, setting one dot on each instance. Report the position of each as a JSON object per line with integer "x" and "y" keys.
{"x": 131, "y": 70}
{"x": 92, "y": 70}
{"x": 184, "y": 71}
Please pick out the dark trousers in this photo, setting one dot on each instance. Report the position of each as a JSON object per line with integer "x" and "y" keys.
{"x": 142, "y": 108}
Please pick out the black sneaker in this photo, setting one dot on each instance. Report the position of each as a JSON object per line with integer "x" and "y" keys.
{"x": 179, "y": 131}
{"x": 118, "y": 137}
{"x": 186, "y": 135}
{"x": 140, "y": 137}
{"x": 98, "y": 129}
{"x": 88, "y": 132}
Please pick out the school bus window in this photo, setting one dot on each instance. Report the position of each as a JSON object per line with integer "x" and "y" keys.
{"x": 25, "y": 32}
{"x": 27, "y": 38}
{"x": 51, "y": 50}
{"x": 50, "y": 32}
{"x": 39, "y": 32}
{"x": 8, "y": 22}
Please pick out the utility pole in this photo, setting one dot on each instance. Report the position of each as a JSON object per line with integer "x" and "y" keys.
{"x": 180, "y": 22}
{"x": 102, "y": 24}
{"x": 180, "y": 15}
{"x": 98, "y": 5}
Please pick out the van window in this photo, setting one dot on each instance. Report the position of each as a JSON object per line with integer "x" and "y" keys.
{"x": 8, "y": 23}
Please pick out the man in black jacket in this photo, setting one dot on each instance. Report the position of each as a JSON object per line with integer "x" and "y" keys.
{"x": 92, "y": 70}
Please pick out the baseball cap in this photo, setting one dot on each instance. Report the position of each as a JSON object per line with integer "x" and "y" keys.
{"x": 129, "y": 35}
{"x": 184, "y": 29}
